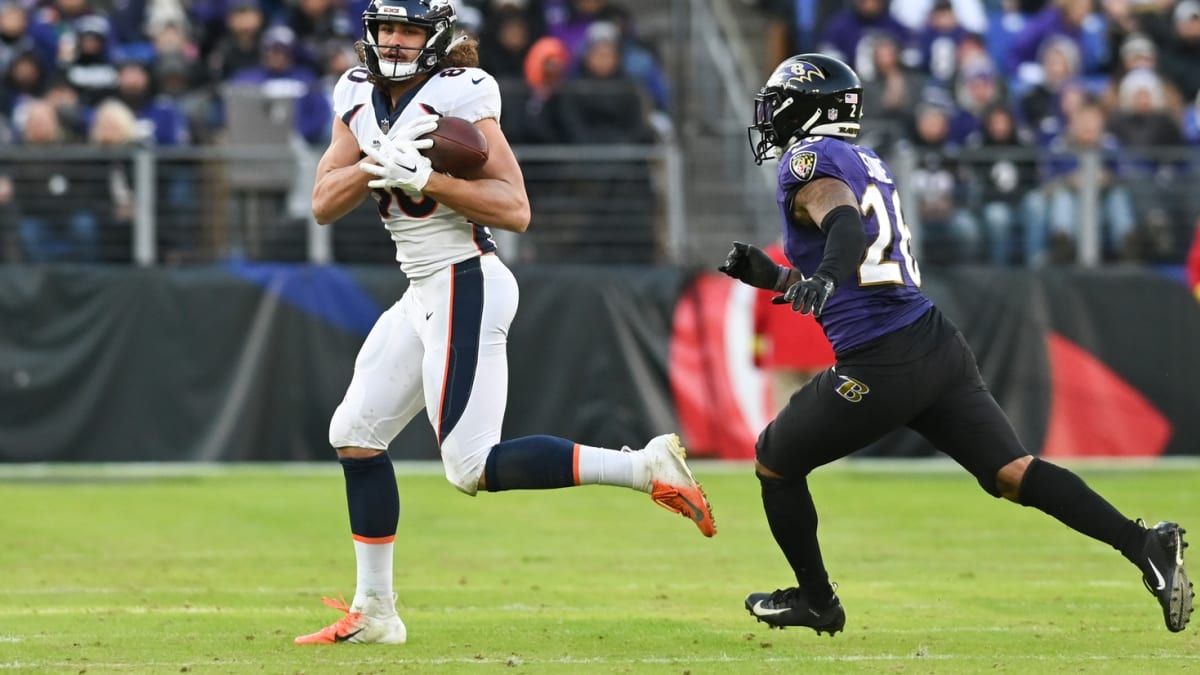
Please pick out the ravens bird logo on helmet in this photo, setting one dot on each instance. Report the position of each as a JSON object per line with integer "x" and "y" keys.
{"x": 806, "y": 95}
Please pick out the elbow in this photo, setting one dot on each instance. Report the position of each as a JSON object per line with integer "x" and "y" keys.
{"x": 521, "y": 219}
{"x": 323, "y": 211}
{"x": 516, "y": 217}
{"x": 320, "y": 211}
{"x": 321, "y": 215}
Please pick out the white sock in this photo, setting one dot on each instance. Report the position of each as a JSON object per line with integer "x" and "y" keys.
{"x": 601, "y": 466}
{"x": 374, "y": 588}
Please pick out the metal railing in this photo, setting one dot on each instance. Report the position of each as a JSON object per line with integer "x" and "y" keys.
{"x": 152, "y": 205}
{"x": 593, "y": 204}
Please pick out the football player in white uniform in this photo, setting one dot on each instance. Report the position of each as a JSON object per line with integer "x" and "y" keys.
{"x": 442, "y": 346}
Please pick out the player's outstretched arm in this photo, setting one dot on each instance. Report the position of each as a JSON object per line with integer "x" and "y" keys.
{"x": 751, "y": 265}
{"x": 340, "y": 185}
{"x": 496, "y": 197}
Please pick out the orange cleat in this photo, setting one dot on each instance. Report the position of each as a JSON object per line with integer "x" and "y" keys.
{"x": 672, "y": 485}
{"x": 360, "y": 627}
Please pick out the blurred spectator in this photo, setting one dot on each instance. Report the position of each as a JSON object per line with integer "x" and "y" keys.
{"x": 938, "y": 39}
{"x": 978, "y": 88}
{"x": 1005, "y": 23}
{"x": 640, "y": 61}
{"x": 891, "y": 94}
{"x": 614, "y": 200}
{"x": 504, "y": 42}
{"x": 239, "y": 47}
{"x": 281, "y": 77}
{"x": 114, "y": 126}
{"x": 1041, "y": 105}
{"x": 605, "y": 105}
{"x": 17, "y": 36}
{"x": 1142, "y": 117}
{"x": 568, "y": 20}
{"x": 1003, "y": 164}
{"x": 58, "y": 201}
{"x": 1139, "y": 53}
{"x": 1180, "y": 56}
{"x": 92, "y": 71}
{"x": 1122, "y": 19}
{"x": 316, "y": 23}
{"x": 1073, "y": 20}
{"x": 56, "y": 18}
{"x": 172, "y": 40}
{"x": 970, "y": 15}
{"x": 534, "y": 12}
{"x": 72, "y": 114}
{"x": 793, "y": 27}
{"x": 791, "y": 348}
{"x": 159, "y": 118}
{"x": 533, "y": 109}
{"x": 1085, "y": 133}
{"x": 849, "y": 34}
{"x": 24, "y": 80}
{"x": 950, "y": 234}
{"x": 175, "y": 79}
{"x": 337, "y": 56}
{"x": 1146, "y": 129}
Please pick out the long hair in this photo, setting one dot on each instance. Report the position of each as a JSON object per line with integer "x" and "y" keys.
{"x": 464, "y": 54}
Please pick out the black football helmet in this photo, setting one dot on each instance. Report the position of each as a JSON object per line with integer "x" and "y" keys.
{"x": 438, "y": 19}
{"x": 807, "y": 95}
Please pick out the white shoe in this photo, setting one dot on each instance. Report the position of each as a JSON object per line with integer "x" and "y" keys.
{"x": 376, "y": 623}
{"x": 672, "y": 485}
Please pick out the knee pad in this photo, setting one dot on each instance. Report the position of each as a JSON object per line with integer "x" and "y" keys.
{"x": 339, "y": 429}
{"x": 774, "y": 460}
{"x": 466, "y": 482}
{"x": 464, "y": 469}
{"x": 347, "y": 430}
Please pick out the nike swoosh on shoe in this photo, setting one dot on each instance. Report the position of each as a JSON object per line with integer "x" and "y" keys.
{"x": 759, "y": 610}
{"x": 1158, "y": 575}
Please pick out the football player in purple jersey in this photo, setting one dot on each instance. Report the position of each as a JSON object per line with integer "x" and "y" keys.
{"x": 900, "y": 361}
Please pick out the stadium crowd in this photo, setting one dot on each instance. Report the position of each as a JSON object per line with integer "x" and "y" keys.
{"x": 166, "y": 60}
{"x": 160, "y": 72}
{"x": 997, "y": 102}
{"x": 970, "y": 86}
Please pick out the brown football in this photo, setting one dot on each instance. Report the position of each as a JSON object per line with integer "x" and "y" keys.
{"x": 459, "y": 147}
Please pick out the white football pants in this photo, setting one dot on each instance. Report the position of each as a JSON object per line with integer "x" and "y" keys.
{"x": 442, "y": 347}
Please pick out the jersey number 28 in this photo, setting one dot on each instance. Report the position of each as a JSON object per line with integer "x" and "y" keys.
{"x": 877, "y": 267}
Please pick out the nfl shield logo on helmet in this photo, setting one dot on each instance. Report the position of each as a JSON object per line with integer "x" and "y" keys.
{"x": 803, "y": 164}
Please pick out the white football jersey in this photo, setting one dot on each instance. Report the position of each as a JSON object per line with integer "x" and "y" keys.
{"x": 428, "y": 235}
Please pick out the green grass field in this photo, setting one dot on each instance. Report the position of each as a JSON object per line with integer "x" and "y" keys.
{"x": 215, "y": 570}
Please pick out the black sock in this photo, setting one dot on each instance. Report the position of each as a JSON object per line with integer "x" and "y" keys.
{"x": 372, "y": 495}
{"x": 1060, "y": 493}
{"x": 793, "y": 521}
{"x": 531, "y": 463}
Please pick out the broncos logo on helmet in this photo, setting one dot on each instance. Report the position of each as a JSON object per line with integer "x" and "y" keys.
{"x": 436, "y": 17}
{"x": 806, "y": 95}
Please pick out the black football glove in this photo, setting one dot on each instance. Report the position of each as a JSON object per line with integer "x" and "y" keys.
{"x": 808, "y": 296}
{"x": 751, "y": 265}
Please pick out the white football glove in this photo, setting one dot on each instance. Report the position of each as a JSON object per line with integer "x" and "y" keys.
{"x": 417, "y": 126}
{"x": 399, "y": 164}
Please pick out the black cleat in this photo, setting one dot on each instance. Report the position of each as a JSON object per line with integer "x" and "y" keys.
{"x": 1164, "y": 575}
{"x": 789, "y": 607}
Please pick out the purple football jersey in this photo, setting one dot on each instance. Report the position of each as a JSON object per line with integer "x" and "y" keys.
{"x": 884, "y": 293}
